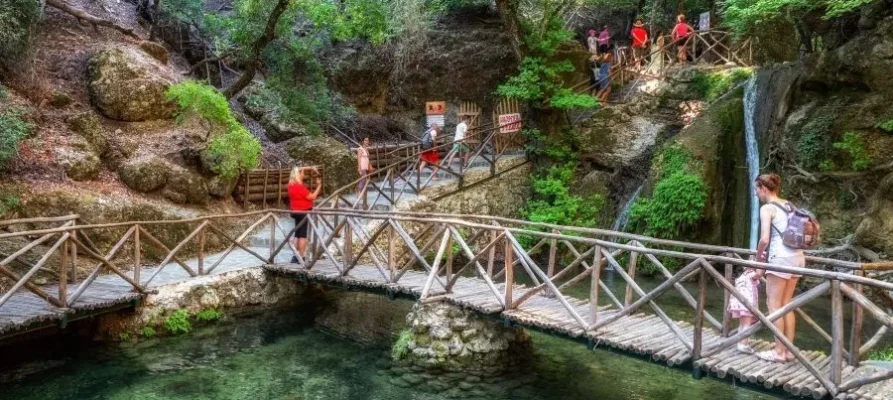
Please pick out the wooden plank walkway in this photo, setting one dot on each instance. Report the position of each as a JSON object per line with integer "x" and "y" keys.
{"x": 26, "y": 311}
{"x": 643, "y": 335}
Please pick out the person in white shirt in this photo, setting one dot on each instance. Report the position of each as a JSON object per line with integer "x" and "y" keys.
{"x": 459, "y": 144}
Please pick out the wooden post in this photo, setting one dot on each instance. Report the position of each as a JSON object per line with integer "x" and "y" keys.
{"x": 633, "y": 258}
{"x": 279, "y": 190}
{"x": 74, "y": 256}
{"x": 392, "y": 261}
{"x": 201, "y": 252}
{"x": 726, "y": 316}
{"x": 63, "y": 274}
{"x": 594, "y": 279}
{"x": 856, "y": 327}
{"x": 272, "y": 238}
{"x": 492, "y": 256}
{"x": 509, "y": 273}
{"x": 698, "y": 339}
{"x": 247, "y": 191}
{"x": 836, "y": 367}
{"x": 266, "y": 178}
{"x": 391, "y": 182}
{"x": 553, "y": 250}
{"x": 348, "y": 245}
{"x": 449, "y": 263}
{"x": 136, "y": 255}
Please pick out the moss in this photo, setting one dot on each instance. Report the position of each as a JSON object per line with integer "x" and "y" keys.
{"x": 178, "y": 322}
{"x": 401, "y": 347}
{"x": 148, "y": 332}
{"x": 208, "y": 315}
{"x": 729, "y": 116}
{"x": 886, "y": 126}
{"x": 712, "y": 85}
{"x": 813, "y": 140}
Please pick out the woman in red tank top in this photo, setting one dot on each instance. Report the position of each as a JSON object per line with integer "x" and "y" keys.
{"x": 300, "y": 201}
{"x": 681, "y": 35}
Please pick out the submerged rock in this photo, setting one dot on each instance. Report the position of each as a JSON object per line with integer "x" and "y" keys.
{"x": 129, "y": 85}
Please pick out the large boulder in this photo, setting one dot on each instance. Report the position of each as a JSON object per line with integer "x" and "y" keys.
{"x": 145, "y": 174}
{"x": 185, "y": 186}
{"x": 876, "y": 230}
{"x": 864, "y": 61}
{"x": 339, "y": 165}
{"x": 127, "y": 84}
{"x": 80, "y": 165}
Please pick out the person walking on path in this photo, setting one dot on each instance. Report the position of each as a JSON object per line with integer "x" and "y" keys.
{"x": 604, "y": 77}
{"x": 300, "y": 201}
{"x": 431, "y": 155}
{"x": 748, "y": 285}
{"x": 604, "y": 40}
{"x": 460, "y": 146}
{"x": 779, "y": 285}
{"x": 681, "y": 35}
{"x": 592, "y": 42}
{"x": 640, "y": 42}
{"x": 363, "y": 166}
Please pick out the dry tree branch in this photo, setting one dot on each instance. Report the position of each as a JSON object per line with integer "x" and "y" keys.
{"x": 61, "y": 5}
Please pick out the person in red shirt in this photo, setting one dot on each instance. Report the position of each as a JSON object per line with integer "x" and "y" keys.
{"x": 640, "y": 42}
{"x": 681, "y": 35}
{"x": 300, "y": 202}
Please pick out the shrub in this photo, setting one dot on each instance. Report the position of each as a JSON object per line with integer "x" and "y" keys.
{"x": 853, "y": 145}
{"x": 232, "y": 148}
{"x": 9, "y": 203}
{"x": 886, "y": 126}
{"x": 672, "y": 159}
{"x": 712, "y": 85}
{"x": 676, "y": 206}
{"x": 208, "y": 315}
{"x": 178, "y": 322}
{"x": 13, "y": 129}
{"x": 813, "y": 142}
{"x": 148, "y": 332}
{"x": 18, "y": 19}
{"x": 553, "y": 203}
{"x": 401, "y": 346}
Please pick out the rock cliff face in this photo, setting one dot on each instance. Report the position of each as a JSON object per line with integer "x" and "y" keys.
{"x": 129, "y": 85}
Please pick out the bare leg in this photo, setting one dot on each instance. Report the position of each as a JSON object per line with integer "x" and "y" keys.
{"x": 743, "y": 324}
{"x": 465, "y": 159}
{"x": 790, "y": 320}
{"x": 302, "y": 247}
{"x": 775, "y": 289}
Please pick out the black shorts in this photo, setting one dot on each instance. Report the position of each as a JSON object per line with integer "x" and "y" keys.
{"x": 301, "y": 231}
{"x": 603, "y": 48}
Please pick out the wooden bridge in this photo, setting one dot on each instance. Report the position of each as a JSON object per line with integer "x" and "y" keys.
{"x": 535, "y": 275}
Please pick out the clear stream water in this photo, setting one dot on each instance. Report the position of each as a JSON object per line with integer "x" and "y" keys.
{"x": 278, "y": 354}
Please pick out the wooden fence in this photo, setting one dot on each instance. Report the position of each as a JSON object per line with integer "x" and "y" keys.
{"x": 267, "y": 186}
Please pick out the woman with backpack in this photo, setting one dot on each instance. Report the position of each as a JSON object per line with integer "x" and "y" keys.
{"x": 777, "y": 217}
{"x": 431, "y": 154}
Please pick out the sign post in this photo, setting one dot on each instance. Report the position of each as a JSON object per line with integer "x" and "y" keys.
{"x": 435, "y": 112}
{"x": 509, "y": 123}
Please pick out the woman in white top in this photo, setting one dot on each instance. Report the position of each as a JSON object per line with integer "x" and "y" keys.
{"x": 779, "y": 285}
{"x": 363, "y": 166}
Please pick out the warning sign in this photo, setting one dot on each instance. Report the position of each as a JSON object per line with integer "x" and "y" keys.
{"x": 435, "y": 108}
{"x": 509, "y": 123}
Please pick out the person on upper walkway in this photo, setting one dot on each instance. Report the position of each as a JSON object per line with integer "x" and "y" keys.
{"x": 364, "y": 168}
{"x": 300, "y": 201}
{"x": 432, "y": 154}
{"x": 681, "y": 35}
{"x": 460, "y": 142}
{"x": 780, "y": 286}
{"x": 604, "y": 76}
{"x": 640, "y": 42}
{"x": 592, "y": 41}
{"x": 604, "y": 40}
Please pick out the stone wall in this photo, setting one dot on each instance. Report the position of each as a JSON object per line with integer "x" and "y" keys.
{"x": 363, "y": 317}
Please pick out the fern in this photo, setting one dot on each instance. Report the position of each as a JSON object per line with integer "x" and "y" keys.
{"x": 178, "y": 322}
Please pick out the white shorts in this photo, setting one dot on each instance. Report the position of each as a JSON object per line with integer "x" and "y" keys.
{"x": 798, "y": 260}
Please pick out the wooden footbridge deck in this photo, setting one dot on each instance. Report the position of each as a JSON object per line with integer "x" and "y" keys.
{"x": 521, "y": 272}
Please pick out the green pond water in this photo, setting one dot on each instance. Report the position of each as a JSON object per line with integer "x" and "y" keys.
{"x": 279, "y": 355}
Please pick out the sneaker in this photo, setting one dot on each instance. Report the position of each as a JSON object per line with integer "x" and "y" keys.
{"x": 745, "y": 348}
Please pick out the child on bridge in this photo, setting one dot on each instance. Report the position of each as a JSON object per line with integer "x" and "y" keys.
{"x": 747, "y": 284}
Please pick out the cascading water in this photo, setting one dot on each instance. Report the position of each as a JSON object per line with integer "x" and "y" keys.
{"x": 753, "y": 154}
{"x": 623, "y": 217}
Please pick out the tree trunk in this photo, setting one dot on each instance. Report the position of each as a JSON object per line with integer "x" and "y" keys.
{"x": 508, "y": 9}
{"x": 96, "y": 21}
{"x": 256, "y": 48}
{"x": 657, "y": 8}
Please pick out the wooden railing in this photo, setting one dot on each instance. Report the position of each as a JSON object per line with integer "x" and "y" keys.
{"x": 266, "y": 186}
{"x": 404, "y": 171}
{"x": 516, "y": 260}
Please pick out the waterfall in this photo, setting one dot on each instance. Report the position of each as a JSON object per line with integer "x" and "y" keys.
{"x": 623, "y": 217}
{"x": 753, "y": 155}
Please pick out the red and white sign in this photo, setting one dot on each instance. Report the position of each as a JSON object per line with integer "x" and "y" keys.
{"x": 509, "y": 123}
{"x": 435, "y": 108}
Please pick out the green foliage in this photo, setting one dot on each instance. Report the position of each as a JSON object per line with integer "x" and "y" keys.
{"x": 712, "y": 85}
{"x": 190, "y": 11}
{"x": 827, "y": 165}
{"x": 744, "y": 16}
{"x": 13, "y": 129}
{"x": 124, "y": 336}
{"x": 539, "y": 81}
{"x": 178, "y": 322}
{"x": 885, "y": 354}
{"x": 813, "y": 142}
{"x": 401, "y": 346}
{"x": 553, "y": 203}
{"x": 148, "y": 332}
{"x": 232, "y": 148}
{"x": 853, "y": 145}
{"x": 208, "y": 315}
{"x": 679, "y": 197}
{"x": 886, "y": 126}
{"x": 729, "y": 116}
{"x": 9, "y": 202}
{"x": 18, "y": 18}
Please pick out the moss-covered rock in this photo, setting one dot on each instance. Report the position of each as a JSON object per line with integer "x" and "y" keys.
{"x": 185, "y": 186}
{"x": 129, "y": 85}
{"x": 87, "y": 125}
{"x": 145, "y": 174}
{"x": 79, "y": 165}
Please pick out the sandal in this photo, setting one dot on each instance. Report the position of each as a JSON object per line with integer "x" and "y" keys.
{"x": 769, "y": 355}
{"x": 745, "y": 348}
